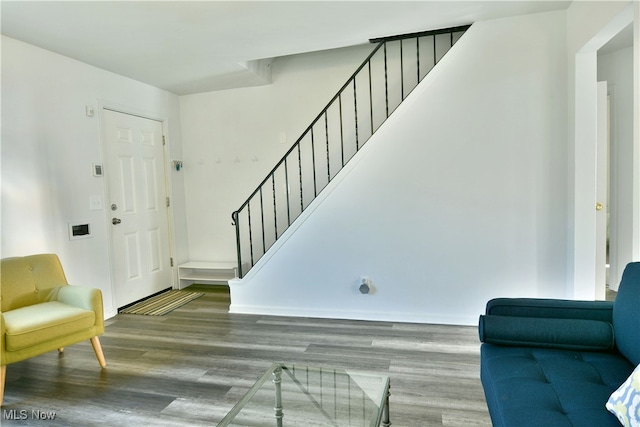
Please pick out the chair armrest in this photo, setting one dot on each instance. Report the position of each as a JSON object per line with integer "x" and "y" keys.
{"x": 551, "y": 308}
{"x": 82, "y": 297}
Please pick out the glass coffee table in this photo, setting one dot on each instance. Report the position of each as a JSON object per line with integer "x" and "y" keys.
{"x": 293, "y": 395}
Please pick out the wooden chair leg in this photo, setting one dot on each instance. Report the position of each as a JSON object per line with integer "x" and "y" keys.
{"x": 3, "y": 375}
{"x": 97, "y": 348}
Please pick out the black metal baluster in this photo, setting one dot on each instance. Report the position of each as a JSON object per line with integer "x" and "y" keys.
{"x": 236, "y": 223}
{"x": 386, "y": 81}
{"x": 286, "y": 182}
{"x": 401, "y": 71}
{"x": 370, "y": 98}
{"x": 250, "y": 234}
{"x": 355, "y": 108}
{"x": 313, "y": 161}
{"x": 264, "y": 247}
{"x": 435, "y": 58}
{"x": 326, "y": 132}
{"x": 418, "y": 57}
{"x": 300, "y": 179}
{"x": 341, "y": 131}
{"x": 275, "y": 210}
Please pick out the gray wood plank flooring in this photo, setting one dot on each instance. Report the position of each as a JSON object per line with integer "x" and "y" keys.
{"x": 192, "y": 365}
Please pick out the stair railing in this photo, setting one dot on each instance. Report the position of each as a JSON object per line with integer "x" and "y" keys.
{"x": 391, "y": 71}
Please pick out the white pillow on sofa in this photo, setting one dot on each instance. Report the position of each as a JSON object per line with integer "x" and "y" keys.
{"x": 624, "y": 403}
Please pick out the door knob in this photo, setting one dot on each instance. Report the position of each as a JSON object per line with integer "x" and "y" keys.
{"x": 116, "y": 221}
{"x": 599, "y": 206}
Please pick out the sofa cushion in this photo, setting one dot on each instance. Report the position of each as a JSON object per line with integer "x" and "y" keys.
{"x": 568, "y": 334}
{"x": 37, "y": 323}
{"x": 626, "y": 313}
{"x": 549, "y": 387}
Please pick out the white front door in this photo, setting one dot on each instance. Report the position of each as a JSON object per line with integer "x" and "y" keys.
{"x": 137, "y": 206}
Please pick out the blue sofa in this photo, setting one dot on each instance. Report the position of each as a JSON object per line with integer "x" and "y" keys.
{"x": 555, "y": 363}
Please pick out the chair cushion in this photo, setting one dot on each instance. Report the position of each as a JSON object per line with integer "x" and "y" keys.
{"x": 46, "y": 321}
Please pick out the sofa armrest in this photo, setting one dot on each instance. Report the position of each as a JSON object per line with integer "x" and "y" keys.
{"x": 83, "y": 297}
{"x": 566, "y": 334}
{"x": 551, "y": 308}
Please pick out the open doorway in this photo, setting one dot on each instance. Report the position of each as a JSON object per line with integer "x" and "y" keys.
{"x": 615, "y": 66}
{"x": 584, "y": 284}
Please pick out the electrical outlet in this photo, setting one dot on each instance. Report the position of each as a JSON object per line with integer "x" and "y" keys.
{"x": 365, "y": 285}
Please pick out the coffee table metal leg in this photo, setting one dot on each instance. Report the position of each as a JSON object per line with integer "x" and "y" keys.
{"x": 386, "y": 422}
{"x": 277, "y": 380}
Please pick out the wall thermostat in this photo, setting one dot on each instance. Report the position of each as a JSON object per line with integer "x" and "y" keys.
{"x": 97, "y": 169}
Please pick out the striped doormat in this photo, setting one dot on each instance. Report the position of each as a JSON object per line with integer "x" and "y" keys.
{"x": 162, "y": 304}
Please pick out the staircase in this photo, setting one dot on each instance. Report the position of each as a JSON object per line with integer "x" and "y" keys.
{"x": 386, "y": 77}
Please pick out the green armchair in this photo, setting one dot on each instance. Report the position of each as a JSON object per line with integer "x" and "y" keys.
{"x": 40, "y": 312}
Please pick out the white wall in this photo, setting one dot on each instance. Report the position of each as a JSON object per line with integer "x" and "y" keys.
{"x": 48, "y": 147}
{"x": 233, "y": 138}
{"x": 616, "y": 69}
{"x": 458, "y": 198}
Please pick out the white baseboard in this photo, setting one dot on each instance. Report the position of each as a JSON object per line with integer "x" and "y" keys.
{"x": 471, "y": 320}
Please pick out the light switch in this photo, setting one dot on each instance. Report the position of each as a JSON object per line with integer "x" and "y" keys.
{"x": 95, "y": 203}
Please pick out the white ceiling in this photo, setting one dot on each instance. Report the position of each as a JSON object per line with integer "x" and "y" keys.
{"x": 198, "y": 46}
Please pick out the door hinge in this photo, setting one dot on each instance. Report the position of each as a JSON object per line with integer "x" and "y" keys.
{"x": 168, "y": 202}
{"x": 164, "y": 141}
{"x": 171, "y": 261}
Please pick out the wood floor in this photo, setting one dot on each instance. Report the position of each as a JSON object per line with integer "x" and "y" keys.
{"x": 192, "y": 365}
